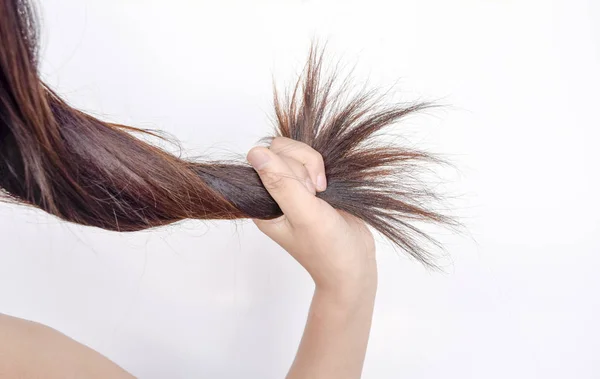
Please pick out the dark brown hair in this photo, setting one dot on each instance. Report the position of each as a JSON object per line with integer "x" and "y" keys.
{"x": 90, "y": 172}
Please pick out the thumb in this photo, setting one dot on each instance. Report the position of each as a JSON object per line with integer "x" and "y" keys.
{"x": 295, "y": 201}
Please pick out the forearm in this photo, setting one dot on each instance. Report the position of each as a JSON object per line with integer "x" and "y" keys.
{"x": 336, "y": 334}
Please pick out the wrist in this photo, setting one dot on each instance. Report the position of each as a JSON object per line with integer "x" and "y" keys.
{"x": 349, "y": 290}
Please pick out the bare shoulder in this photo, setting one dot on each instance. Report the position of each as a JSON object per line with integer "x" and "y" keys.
{"x": 31, "y": 350}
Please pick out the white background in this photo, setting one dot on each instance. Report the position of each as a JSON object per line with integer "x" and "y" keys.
{"x": 519, "y": 295}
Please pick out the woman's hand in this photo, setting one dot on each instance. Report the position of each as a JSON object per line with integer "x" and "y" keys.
{"x": 336, "y": 249}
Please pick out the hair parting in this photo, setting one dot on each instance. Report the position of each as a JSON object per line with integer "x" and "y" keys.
{"x": 90, "y": 172}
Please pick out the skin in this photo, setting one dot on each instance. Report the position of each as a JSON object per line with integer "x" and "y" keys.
{"x": 335, "y": 248}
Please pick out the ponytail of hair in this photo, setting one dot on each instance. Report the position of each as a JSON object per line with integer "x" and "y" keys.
{"x": 90, "y": 172}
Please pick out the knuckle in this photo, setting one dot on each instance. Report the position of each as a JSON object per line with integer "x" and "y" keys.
{"x": 272, "y": 181}
{"x": 310, "y": 155}
{"x": 317, "y": 159}
{"x": 279, "y": 143}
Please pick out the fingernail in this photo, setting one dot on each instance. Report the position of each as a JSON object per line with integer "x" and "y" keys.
{"x": 310, "y": 186}
{"x": 258, "y": 158}
{"x": 321, "y": 182}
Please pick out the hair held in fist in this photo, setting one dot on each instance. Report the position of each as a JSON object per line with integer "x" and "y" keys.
{"x": 90, "y": 172}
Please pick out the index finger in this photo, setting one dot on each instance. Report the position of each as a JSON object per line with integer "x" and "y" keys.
{"x": 309, "y": 157}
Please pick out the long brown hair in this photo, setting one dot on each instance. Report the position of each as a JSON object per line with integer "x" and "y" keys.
{"x": 90, "y": 172}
